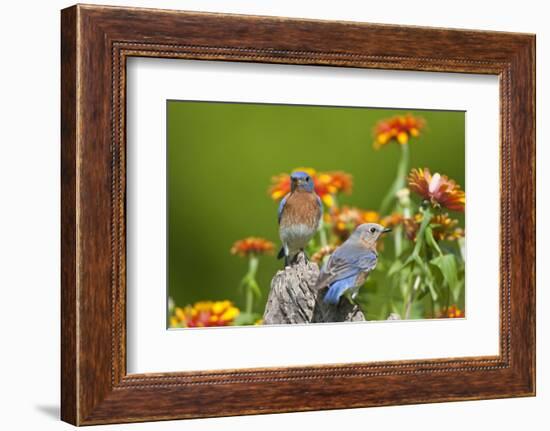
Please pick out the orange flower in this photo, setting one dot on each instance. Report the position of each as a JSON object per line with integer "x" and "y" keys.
{"x": 399, "y": 129}
{"x": 453, "y": 312}
{"x": 327, "y": 184}
{"x": 280, "y": 186}
{"x": 392, "y": 220}
{"x": 443, "y": 227}
{"x": 412, "y": 225}
{"x": 204, "y": 314}
{"x": 345, "y": 220}
{"x": 438, "y": 189}
{"x": 252, "y": 246}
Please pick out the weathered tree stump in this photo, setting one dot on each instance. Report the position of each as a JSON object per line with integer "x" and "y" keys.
{"x": 293, "y": 298}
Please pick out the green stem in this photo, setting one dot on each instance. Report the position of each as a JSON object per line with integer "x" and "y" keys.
{"x": 398, "y": 247}
{"x": 399, "y": 181}
{"x": 249, "y": 301}
{"x": 398, "y": 240}
{"x": 250, "y": 277}
{"x": 323, "y": 234}
{"x": 412, "y": 295}
{"x": 415, "y": 256}
{"x": 426, "y": 218}
{"x": 431, "y": 241}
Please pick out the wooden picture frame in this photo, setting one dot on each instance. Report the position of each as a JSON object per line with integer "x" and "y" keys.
{"x": 95, "y": 43}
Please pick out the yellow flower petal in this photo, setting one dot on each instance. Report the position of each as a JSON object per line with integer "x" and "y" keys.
{"x": 324, "y": 178}
{"x": 402, "y": 138}
{"x": 383, "y": 138}
{"x": 203, "y": 306}
{"x": 218, "y": 307}
{"x": 179, "y": 313}
{"x": 371, "y": 216}
{"x": 230, "y": 313}
{"x": 328, "y": 200}
{"x": 277, "y": 194}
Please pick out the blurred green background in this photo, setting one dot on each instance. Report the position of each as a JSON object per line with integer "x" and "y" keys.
{"x": 221, "y": 157}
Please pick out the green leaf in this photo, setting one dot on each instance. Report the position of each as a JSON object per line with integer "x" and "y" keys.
{"x": 246, "y": 319}
{"x": 423, "y": 293}
{"x": 457, "y": 290}
{"x": 447, "y": 265}
{"x": 433, "y": 292}
{"x": 394, "y": 268}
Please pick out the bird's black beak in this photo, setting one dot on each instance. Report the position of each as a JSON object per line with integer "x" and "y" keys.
{"x": 386, "y": 230}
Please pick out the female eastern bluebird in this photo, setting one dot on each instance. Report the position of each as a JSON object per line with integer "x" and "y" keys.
{"x": 350, "y": 264}
{"x": 300, "y": 213}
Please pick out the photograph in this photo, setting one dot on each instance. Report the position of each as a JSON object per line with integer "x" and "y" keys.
{"x": 298, "y": 213}
{"x": 304, "y": 214}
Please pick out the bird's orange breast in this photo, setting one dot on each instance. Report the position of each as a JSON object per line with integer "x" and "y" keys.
{"x": 301, "y": 208}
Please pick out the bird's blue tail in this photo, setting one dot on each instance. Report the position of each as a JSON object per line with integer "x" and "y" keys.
{"x": 337, "y": 289}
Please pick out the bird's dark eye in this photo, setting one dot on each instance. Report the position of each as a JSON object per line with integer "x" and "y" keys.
{"x": 307, "y": 179}
{"x": 372, "y": 230}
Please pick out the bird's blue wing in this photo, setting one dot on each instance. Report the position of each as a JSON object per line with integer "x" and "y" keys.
{"x": 343, "y": 269}
{"x": 281, "y": 208}
{"x": 346, "y": 262}
{"x": 337, "y": 289}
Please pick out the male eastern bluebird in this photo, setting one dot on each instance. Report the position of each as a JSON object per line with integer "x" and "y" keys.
{"x": 300, "y": 213}
{"x": 350, "y": 264}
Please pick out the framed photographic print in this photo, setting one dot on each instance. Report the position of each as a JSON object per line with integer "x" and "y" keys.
{"x": 287, "y": 207}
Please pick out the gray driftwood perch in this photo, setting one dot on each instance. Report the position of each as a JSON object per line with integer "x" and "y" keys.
{"x": 293, "y": 299}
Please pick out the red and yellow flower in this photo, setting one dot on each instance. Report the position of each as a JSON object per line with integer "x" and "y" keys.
{"x": 345, "y": 220}
{"x": 204, "y": 314}
{"x": 438, "y": 189}
{"x": 252, "y": 246}
{"x": 392, "y": 220}
{"x": 399, "y": 129}
{"x": 453, "y": 312}
{"x": 444, "y": 228}
{"x": 327, "y": 184}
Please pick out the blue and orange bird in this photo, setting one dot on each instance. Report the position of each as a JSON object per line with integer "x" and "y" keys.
{"x": 350, "y": 264}
{"x": 300, "y": 213}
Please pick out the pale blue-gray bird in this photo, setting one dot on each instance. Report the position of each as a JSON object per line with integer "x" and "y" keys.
{"x": 350, "y": 264}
